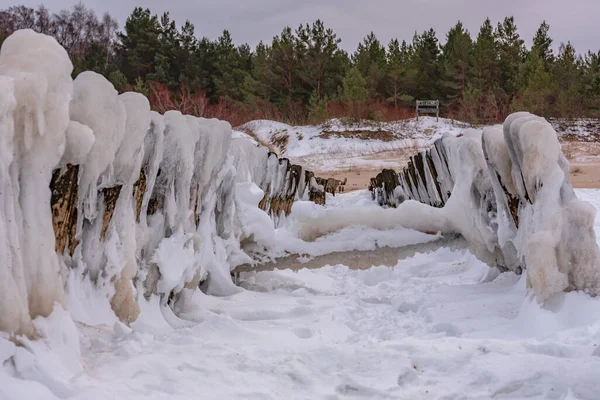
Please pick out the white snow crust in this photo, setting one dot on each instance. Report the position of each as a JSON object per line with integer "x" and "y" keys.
{"x": 439, "y": 325}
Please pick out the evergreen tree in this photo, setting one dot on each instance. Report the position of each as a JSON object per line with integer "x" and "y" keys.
{"x": 456, "y": 54}
{"x": 138, "y": 44}
{"x": 118, "y": 79}
{"x": 321, "y": 62}
{"x": 140, "y": 87}
{"x": 590, "y": 67}
{"x": 166, "y": 66}
{"x": 204, "y": 60}
{"x": 567, "y": 81}
{"x": 542, "y": 44}
{"x": 370, "y": 59}
{"x": 262, "y": 73}
{"x": 400, "y": 73}
{"x": 484, "y": 64}
{"x": 426, "y": 63}
{"x": 284, "y": 66}
{"x": 537, "y": 92}
{"x": 94, "y": 60}
{"x": 191, "y": 74}
{"x": 318, "y": 108}
{"x": 232, "y": 78}
{"x": 485, "y": 75}
{"x": 355, "y": 91}
{"x": 511, "y": 56}
{"x": 535, "y": 77}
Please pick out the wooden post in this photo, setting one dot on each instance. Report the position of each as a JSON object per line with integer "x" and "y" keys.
{"x": 417, "y": 109}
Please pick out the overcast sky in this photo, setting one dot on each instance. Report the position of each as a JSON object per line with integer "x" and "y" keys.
{"x": 253, "y": 20}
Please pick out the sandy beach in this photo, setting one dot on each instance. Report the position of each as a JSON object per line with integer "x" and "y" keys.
{"x": 584, "y": 159}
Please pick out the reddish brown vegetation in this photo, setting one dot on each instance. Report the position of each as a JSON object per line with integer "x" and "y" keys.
{"x": 377, "y": 110}
{"x": 162, "y": 99}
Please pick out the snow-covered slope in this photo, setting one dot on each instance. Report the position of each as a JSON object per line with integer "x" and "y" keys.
{"x": 339, "y": 143}
{"x": 344, "y": 145}
{"x": 348, "y": 138}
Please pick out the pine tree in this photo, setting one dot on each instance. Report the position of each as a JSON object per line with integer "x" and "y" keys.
{"x": 94, "y": 60}
{"x": 456, "y": 55}
{"x": 485, "y": 74}
{"x": 567, "y": 81}
{"x": 232, "y": 78}
{"x": 192, "y": 76}
{"x": 542, "y": 44}
{"x": 284, "y": 65}
{"x": 512, "y": 54}
{"x": 138, "y": 44}
{"x": 370, "y": 59}
{"x": 167, "y": 68}
{"x": 590, "y": 67}
{"x": 400, "y": 73}
{"x": 426, "y": 63}
{"x": 318, "y": 108}
{"x": 262, "y": 73}
{"x": 118, "y": 79}
{"x": 321, "y": 62}
{"x": 204, "y": 60}
{"x": 535, "y": 79}
{"x": 537, "y": 93}
{"x": 484, "y": 64}
{"x": 355, "y": 91}
{"x": 140, "y": 86}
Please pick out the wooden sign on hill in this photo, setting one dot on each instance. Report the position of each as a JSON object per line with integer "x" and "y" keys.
{"x": 428, "y": 107}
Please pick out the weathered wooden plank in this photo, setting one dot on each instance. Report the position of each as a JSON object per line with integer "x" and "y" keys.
{"x": 111, "y": 195}
{"x": 64, "y": 191}
{"x": 139, "y": 188}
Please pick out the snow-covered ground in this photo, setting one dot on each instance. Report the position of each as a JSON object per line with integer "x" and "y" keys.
{"x": 352, "y": 238}
{"x": 239, "y": 134}
{"x": 436, "y": 326}
{"x": 358, "y": 151}
{"x": 339, "y": 144}
{"x": 342, "y": 145}
{"x": 582, "y": 129}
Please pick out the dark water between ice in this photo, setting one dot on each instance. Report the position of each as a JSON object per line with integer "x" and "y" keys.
{"x": 357, "y": 259}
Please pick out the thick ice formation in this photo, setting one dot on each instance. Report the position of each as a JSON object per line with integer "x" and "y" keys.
{"x": 249, "y": 161}
{"x": 117, "y": 203}
{"x": 506, "y": 190}
{"x": 36, "y": 89}
{"x": 96, "y": 103}
{"x": 13, "y": 293}
{"x": 554, "y": 239}
{"x": 80, "y": 139}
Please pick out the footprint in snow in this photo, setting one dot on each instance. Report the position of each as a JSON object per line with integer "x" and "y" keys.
{"x": 303, "y": 333}
{"x": 447, "y": 329}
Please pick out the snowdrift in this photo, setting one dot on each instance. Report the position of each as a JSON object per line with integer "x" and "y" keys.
{"x": 336, "y": 137}
{"x": 105, "y": 204}
{"x": 506, "y": 190}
